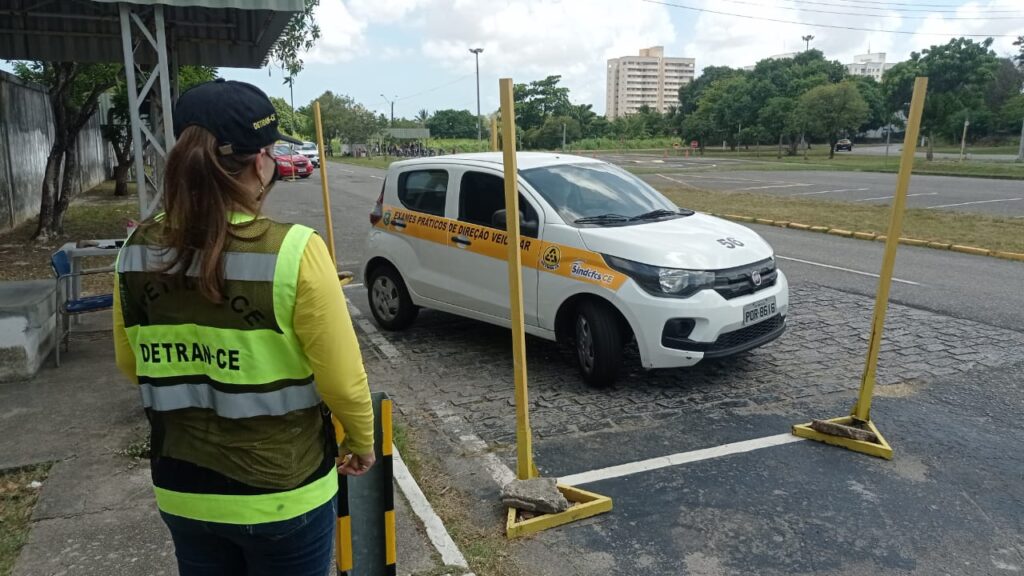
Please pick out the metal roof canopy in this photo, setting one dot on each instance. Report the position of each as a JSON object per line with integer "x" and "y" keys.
{"x": 159, "y": 35}
{"x": 409, "y": 133}
{"x": 230, "y": 33}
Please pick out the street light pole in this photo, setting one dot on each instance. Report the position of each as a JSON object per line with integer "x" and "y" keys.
{"x": 479, "y": 127}
{"x": 392, "y": 102}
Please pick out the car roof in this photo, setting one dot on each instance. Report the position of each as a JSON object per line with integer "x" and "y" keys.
{"x": 524, "y": 160}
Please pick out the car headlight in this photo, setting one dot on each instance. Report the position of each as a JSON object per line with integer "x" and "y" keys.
{"x": 667, "y": 282}
{"x": 284, "y": 164}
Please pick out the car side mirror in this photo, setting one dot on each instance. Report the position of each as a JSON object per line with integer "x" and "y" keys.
{"x": 527, "y": 227}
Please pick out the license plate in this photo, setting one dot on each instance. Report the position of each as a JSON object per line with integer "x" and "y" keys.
{"x": 758, "y": 311}
{"x": 302, "y": 170}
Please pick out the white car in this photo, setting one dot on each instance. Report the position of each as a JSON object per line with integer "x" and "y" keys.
{"x": 606, "y": 258}
{"x": 310, "y": 151}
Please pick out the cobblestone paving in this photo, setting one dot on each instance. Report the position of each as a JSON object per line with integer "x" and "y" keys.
{"x": 466, "y": 367}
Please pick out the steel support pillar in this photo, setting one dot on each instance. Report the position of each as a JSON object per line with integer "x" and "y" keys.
{"x": 143, "y": 30}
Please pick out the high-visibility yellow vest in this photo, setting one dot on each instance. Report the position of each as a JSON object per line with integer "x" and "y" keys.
{"x": 231, "y": 397}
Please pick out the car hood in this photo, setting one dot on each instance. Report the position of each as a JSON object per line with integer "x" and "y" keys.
{"x": 293, "y": 158}
{"x": 692, "y": 242}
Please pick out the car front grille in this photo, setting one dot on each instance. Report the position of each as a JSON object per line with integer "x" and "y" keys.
{"x": 740, "y": 281}
{"x": 738, "y": 338}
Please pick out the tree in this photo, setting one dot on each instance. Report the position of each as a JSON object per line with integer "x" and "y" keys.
{"x": 74, "y": 90}
{"x": 833, "y": 109}
{"x": 299, "y": 36}
{"x": 690, "y": 94}
{"x": 728, "y": 102}
{"x": 535, "y": 101}
{"x": 776, "y": 119}
{"x": 290, "y": 121}
{"x": 1020, "y": 57}
{"x": 422, "y": 116}
{"x": 549, "y": 136}
{"x": 453, "y": 124}
{"x": 871, "y": 91}
{"x": 959, "y": 73}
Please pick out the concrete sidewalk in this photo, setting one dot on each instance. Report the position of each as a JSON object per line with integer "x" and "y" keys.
{"x": 96, "y": 514}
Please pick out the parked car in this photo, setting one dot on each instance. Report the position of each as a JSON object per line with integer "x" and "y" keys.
{"x": 310, "y": 151}
{"x": 844, "y": 144}
{"x": 290, "y": 163}
{"x": 606, "y": 259}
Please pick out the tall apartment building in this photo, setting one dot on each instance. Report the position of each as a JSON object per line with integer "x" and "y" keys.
{"x": 648, "y": 79}
{"x": 872, "y": 64}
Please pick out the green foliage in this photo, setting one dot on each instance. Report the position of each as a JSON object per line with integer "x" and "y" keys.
{"x": 624, "y": 144}
{"x": 291, "y": 121}
{"x": 299, "y": 36}
{"x": 342, "y": 118}
{"x": 452, "y": 124}
{"x": 1020, "y": 56}
{"x": 549, "y": 135}
{"x": 690, "y": 94}
{"x": 536, "y": 101}
{"x": 833, "y": 109}
{"x": 189, "y": 76}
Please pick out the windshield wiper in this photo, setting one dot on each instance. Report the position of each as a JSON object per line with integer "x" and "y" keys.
{"x": 655, "y": 214}
{"x": 602, "y": 219}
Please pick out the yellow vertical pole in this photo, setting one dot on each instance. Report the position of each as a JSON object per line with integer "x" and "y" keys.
{"x": 524, "y": 441}
{"x": 323, "y": 181}
{"x": 494, "y": 134}
{"x": 862, "y": 409}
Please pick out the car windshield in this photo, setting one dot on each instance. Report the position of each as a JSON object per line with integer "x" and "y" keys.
{"x": 596, "y": 193}
{"x": 282, "y": 150}
{"x": 308, "y": 146}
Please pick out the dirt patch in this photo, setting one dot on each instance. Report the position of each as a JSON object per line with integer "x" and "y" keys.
{"x": 19, "y": 490}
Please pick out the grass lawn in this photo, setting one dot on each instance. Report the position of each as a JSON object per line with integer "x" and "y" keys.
{"x": 17, "y": 498}
{"x": 381, "y": 162}
{"x": 95, "y": 214}
{"x": 974, "y": 149}
{"x": 1002, "y": 234}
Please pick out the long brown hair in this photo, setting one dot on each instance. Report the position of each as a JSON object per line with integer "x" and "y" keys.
{"x": 200, "y": 188}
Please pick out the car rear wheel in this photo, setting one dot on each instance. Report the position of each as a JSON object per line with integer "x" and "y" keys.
{"x": 390, "y": 302}
{"x": 598, "y": 343}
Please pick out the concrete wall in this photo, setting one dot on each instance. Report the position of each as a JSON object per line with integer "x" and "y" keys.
{"x": 26, "y": 133}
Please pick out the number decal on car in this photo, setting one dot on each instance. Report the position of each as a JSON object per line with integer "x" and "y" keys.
{"x": 730, "y": 242}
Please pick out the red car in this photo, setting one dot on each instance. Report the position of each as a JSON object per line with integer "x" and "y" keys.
{"x": 290, "y": 163}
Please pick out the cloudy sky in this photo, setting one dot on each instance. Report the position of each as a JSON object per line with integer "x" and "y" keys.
{"x": 417, "y": 50}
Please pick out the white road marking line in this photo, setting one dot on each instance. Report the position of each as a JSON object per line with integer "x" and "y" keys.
{"x": 891, "y": 197}
{"x": 773, "y": 186}
{"x": 376, "y": 177}
{"x": 830, "y": 191}
{"x": 850, "y": 270}
{"x": 345, "y": 170}
{"x": 978, "y": 202}
{"x": 677, "y": 459}
{"x": 354, "y": 285}
{"x": 677, "y": 181}
{"x": 499, "y": 472}
{"x": 432, "y": 524}
{"x": 376, "y": 338}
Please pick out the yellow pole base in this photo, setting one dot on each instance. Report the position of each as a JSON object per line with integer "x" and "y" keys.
{"x": 584, "y": 505}
{"x": 881, "y": 449}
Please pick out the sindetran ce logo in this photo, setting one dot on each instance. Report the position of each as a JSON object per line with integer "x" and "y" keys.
{"x": 387, "y": 218}
{"x": 581, "y": 270}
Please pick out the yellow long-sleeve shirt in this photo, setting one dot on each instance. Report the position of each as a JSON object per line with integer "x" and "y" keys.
{"x": 324, "y": 328}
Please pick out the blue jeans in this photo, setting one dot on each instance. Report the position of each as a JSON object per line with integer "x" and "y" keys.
{"x": 300, "y": 546}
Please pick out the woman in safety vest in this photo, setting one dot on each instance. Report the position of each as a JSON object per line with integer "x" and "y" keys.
{"x": 237, "y": 333}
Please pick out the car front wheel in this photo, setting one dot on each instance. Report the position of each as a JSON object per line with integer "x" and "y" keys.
{"x": 390, "y": 302}
{"x": 599, "y": 344}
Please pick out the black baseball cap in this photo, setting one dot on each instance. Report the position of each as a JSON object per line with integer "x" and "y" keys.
{"x": 238, "y": 114}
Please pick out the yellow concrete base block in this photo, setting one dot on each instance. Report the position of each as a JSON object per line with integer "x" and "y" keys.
{"x": 881, "y": 450}
{"x": 585, "y": 505}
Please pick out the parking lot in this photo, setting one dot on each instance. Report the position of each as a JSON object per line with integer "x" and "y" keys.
{"x": 949, "y": 399}
{"x": 975, "y": 195}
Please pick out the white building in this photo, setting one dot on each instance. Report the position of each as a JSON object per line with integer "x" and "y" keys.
{"x": 649, "y": 79}
{"x": 872, "y": 64}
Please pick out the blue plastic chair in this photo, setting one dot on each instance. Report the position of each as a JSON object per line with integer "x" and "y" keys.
{"x": 67, "y": 307}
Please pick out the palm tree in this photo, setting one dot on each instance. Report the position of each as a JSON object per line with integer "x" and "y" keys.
{"x": 422, "y": 116}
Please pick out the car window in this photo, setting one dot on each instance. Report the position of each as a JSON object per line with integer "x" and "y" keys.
{"x": 282, "y": 150}
{"x": 423, "y": 190}
{"x": 594, "y": 189}
{"x": 481, "y": 195}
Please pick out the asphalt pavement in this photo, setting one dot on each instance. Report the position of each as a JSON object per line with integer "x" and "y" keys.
{"x": 949, "y": 193}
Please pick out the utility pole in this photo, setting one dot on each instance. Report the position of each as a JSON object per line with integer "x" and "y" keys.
{"x": 392, "y": 102}
{"x": 479, "y": 126}
{"x": 1020, "y": 147}
{"x": 963, "y": 139}
{"x": 807, "y": 41}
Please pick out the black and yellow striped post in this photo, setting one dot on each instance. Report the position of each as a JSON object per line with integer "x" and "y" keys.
{"x": 387, "y": 468}
{"x": 343, "y": 532}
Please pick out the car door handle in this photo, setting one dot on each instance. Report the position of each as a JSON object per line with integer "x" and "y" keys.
{"x": 461, "y": 241}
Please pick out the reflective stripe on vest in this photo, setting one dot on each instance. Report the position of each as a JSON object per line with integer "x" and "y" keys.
{"x": 247, "y": 266}
{"x": 249, "y": 509}
{"x": 228, "y": 404}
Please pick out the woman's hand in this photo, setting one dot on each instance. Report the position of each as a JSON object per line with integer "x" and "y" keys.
{"x": 355, "y": 464}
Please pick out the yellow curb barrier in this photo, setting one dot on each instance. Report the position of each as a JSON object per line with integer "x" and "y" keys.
{"x": 1009, "y": 256}
{"x": 913, "y": 242}
{"x": 970, "y": 250}
{"x": 876, "y": 237}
